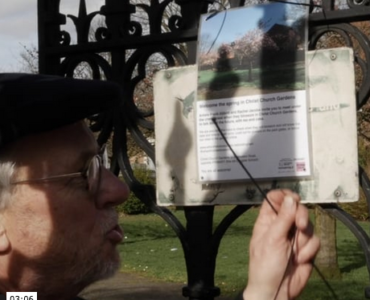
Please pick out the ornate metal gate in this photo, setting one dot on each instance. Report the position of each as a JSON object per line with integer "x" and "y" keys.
{"x": 130, "y": 45}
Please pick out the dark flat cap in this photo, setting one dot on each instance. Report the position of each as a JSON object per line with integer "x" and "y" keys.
{"x": 36, "y": 103}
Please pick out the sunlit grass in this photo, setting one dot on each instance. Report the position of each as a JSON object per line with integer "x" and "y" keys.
{"x": 288, "y": 77}
{"x": 152, "y": 248}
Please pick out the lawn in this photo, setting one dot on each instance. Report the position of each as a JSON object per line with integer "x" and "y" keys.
{"x": 277, "y": 78}
{"x": 151, "y": 248}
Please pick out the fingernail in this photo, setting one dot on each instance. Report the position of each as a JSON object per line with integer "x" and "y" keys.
{"x": 288, "y": 202}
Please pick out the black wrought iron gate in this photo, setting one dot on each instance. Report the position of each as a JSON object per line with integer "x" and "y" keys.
{"x": 130, "y": 45}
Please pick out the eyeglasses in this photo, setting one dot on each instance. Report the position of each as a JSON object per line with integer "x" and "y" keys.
{"x": 92, "y": 173}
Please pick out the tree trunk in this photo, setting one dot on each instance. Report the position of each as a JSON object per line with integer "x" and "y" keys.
{"x": 326, "y": 260}
{"x": 250, "y": 77}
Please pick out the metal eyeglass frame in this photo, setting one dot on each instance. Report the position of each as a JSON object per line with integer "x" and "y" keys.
{"x": 92, "y": 173}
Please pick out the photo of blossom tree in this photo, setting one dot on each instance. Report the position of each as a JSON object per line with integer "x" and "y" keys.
{"x": 253, "y": 50}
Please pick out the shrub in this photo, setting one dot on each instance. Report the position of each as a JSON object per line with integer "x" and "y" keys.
{"x": 133, "y": 205}
{"x": 359, "y": 210}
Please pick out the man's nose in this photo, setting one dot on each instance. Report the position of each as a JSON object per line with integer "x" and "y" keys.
{"x": 112, "y": 190}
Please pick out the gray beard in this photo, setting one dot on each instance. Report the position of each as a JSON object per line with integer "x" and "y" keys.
{"x": 94, "y": 270}
{"x": 65, "y": 282}
{"x": 56, "y": 277}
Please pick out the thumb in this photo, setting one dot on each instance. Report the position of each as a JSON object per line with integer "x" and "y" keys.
{"x": 286, "y": 217}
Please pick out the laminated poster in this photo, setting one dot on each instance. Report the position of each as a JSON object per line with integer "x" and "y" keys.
{"x": 252, "y": 81}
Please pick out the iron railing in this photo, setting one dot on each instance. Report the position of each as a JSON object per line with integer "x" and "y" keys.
{"x": 131, "y": 44}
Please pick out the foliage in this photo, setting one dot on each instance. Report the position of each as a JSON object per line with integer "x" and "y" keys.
{"x": 363, "y": 127}
{"x": 225, "y": 51}
{"x": 359, "y": 209}
{"x": 133, "y": 205}
{"x": 206, "y": 61}
{"x": 363, "y": 153}
{"x": 29, "y": 59}
{"x": 250, "y": 44}
{"x": 151, "y": 248}
{"x": 246, "y": 51}
{"x": 225, "y": 56}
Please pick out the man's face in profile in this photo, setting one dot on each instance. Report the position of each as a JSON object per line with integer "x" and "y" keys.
{"x": 61, "y": 236}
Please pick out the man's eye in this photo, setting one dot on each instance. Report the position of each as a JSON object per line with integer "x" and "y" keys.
{"x": 78, "y": 182}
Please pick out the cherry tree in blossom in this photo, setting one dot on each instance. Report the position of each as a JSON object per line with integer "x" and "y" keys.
{"x": 207, "y": 61}
{"x": 249, "y": 47}
{"x": 225, "y": 55}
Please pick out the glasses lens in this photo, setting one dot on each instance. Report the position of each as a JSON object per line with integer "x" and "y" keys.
{"x": 93, "y": 175}
{"x": 104, "y": 157}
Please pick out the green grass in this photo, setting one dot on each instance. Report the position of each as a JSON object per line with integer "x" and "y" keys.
{"x": 274, "y": 78}
{"x": 148, "y": 240}
{"x": 151, "y": 248}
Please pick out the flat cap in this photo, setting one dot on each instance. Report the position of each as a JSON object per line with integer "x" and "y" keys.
{"x": 36, "y": 103}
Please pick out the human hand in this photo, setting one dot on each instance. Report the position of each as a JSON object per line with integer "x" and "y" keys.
{"x": 274, "y": 272}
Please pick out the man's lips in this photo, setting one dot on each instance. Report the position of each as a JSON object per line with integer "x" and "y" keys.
{"x": 115, "y": 234}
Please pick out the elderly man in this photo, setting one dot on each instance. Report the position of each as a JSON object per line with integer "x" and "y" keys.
{"x": 58, "y": 226}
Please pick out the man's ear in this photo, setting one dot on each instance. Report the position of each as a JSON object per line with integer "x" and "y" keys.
{"x": 4, "y": 240}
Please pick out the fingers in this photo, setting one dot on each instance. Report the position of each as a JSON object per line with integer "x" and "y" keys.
{"x": 290, "y": 215}
{"x": 307, "y": 244}
{"x": 302, "y": 220}
{"x": 308, "y": 251}
{"x": 285, "y": 220}
{"x": 267, "y": 214}
{"x": 271, "y": 245}
{"x": 273, "y": 203}
{"x": 276, "y": 198}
